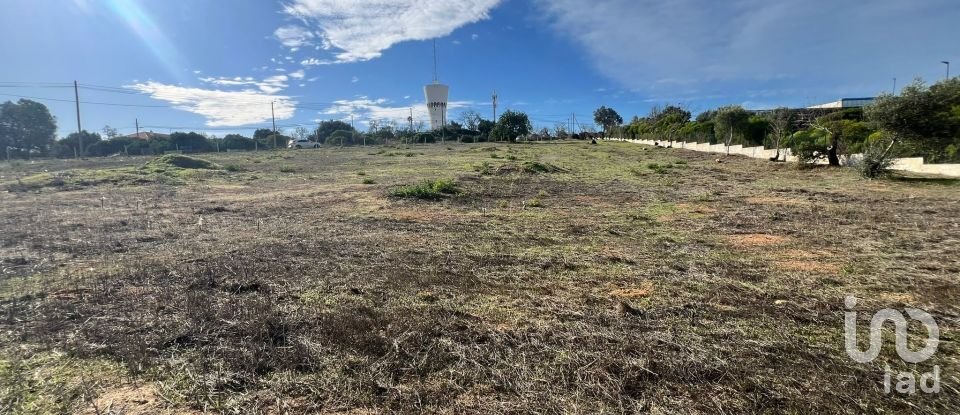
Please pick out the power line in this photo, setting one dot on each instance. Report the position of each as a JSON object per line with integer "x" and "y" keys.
{"x": 86, "y": 102}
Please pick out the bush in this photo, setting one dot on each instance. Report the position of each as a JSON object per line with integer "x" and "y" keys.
{"x": 876, "y": 162}
{"x": 182, "y": 162}
{"x": 368, "y": 181}
{"x": 429, "y": 190}
{"x": 809, "y": 146}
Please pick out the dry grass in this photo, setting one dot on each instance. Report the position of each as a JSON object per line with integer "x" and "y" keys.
{"x": 256, "y": 291}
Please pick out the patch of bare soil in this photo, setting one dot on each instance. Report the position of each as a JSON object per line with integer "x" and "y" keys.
{"x": 817, "y": 267}
{"x": 132, "y": 400}
{"x": 644, "y": 290}
{"x": 755, "y": 240}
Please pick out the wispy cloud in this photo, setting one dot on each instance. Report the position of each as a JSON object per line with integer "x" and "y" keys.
{"x": 364, "y": 109}
{"x": 269, "y": 85}
{"x": 221, "y": 108}
{"x": 294, "y": 36}
{"x": 362, "y": 30}
{"x": 699, "y": 46}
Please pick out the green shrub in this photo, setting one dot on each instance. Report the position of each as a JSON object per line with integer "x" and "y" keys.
{"x": 429, "y": 190}
{"x": 659, "y": 168}
{"x": 368, "y": 181}
{"x": 484, "y": 168}
{"x": 287, "y": 169}
{"x": 535, "y": 202}
{"x": 233, "y": 167}
{"x": 180, "y": 161}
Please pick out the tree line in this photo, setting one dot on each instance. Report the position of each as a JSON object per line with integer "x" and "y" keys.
{"x": 27, "y": 129}
{"x": 921, "y": 121}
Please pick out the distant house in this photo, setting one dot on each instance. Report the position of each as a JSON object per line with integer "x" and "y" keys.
{"x": 845, "y": 103}
{"x": 148, "y": 135}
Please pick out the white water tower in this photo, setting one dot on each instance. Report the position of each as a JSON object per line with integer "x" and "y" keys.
{"x": 436, "y": 95}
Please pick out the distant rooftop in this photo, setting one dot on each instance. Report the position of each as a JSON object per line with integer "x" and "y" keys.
{"x": 147, "y": 135}
{"x": 846, "y": 103}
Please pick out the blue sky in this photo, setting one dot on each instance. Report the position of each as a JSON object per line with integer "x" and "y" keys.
{"x": 216, "y": 65}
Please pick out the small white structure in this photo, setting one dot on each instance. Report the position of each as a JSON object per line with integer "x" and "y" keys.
{"x": 437, "y": 94}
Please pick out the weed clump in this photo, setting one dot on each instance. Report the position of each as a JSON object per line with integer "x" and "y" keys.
{"x": 369, "y": 181}
{"x": 660, "y": 168}
{"x": 538, "y": 167}
{"x": 180, "y": 161}
{"x": 428, "y": 190}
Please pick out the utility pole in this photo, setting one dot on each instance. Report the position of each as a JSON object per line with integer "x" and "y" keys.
{"x": 136, "y": 121}
{"x": 494, "y": 106}
{"x": 76, "y": 95}
{"x": 894, "y": 86}
{"x": 574, "y": 115}
{"x": 948, "y": 68}
{"x": 274, "y": 118}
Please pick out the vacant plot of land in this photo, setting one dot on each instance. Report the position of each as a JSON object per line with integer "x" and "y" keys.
{"x": 489, "y": 278}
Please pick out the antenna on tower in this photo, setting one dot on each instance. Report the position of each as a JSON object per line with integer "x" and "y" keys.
{"x": 436, "y": 78}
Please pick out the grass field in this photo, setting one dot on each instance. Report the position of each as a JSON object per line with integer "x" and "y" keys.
{"x": 492, "y": 278}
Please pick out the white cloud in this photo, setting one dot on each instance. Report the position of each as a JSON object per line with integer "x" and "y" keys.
{"x": 362, "y": 30}
{"x": 456, "y": 42}
{"x": 298, "y": 74}
{"x": 474, "y": 36}
{"x": 221, "y": 108}
{"x": 314, "y": 62}
{"x": 294, "y": 36}
{"x": 354, "y": 80}
{"x": 269, "y": 85}
{"x": 364, "y": 109}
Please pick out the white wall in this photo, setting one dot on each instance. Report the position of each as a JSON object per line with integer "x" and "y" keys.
{"x": 911, "y": 164}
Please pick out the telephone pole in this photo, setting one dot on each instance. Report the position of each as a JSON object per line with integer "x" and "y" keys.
{"x": 494, "y": 106}
{"x": 136, "y": 122}
{"x": 274, "y": 119}
{"x": 76, "y": 95}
